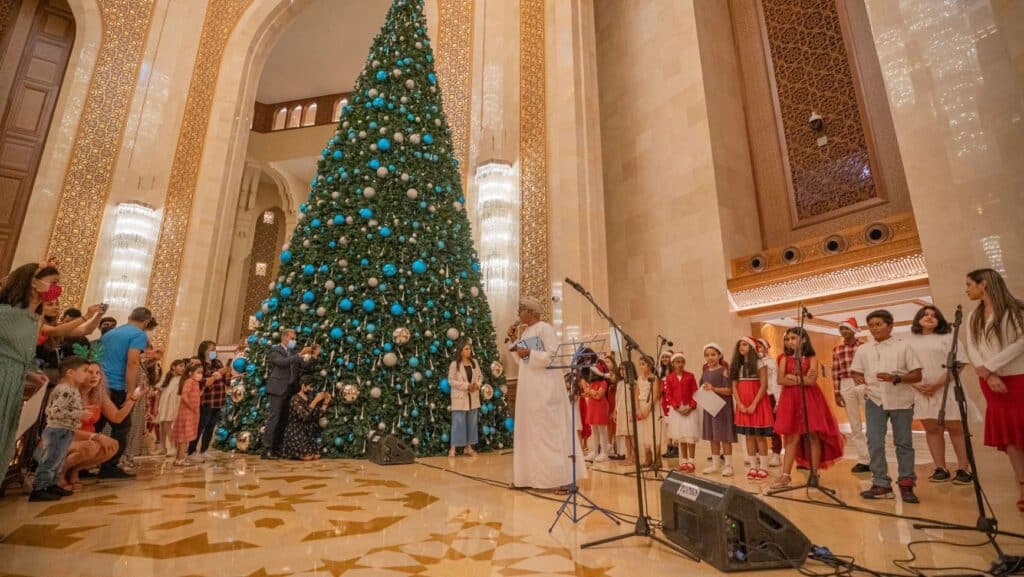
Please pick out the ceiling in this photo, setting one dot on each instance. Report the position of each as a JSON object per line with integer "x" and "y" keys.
{"x": 903, "y": 304}
{"x": 322, "y": 51}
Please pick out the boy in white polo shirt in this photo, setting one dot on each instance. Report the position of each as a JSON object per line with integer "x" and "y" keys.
{"x": 887, "y": 365}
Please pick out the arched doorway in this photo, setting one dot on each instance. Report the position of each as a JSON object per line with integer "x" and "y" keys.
{"x": 36, "y": 42}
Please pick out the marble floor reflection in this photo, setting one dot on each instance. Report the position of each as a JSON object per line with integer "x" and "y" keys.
{"x": 239, "y": 516}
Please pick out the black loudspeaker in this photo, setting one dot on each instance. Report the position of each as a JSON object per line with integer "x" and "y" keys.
{"x": 389, "y": 450}
{"x": 728, "y": 527}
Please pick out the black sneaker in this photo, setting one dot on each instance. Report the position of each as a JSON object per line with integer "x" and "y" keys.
{"x": 115, "y": 473}
{"x": 59, "y": 491}
{"x": 671, "y": 453}
{"x": 43, "y": 495}
{"x": 860, "y": 468}
{"x": 907, "y": 494}
{"x": 268, "y": 456}
{"x": 877, "y": 492}
{"x": 963, "y": 478}
{"x": 617, "y": 457}
{"x": 940, "y": 476}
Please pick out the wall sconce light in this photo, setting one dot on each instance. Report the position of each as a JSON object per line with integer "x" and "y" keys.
{"x": 498, "y": 210}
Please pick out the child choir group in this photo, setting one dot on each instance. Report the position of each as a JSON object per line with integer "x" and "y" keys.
{"x": 892, "y": 379}
{"x": 754, "y": 402}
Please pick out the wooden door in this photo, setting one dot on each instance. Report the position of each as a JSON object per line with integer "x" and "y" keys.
{"x": 26, "y": 121}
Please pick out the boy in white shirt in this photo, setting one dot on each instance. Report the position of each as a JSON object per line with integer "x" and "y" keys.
{"x": 887, "y": 365}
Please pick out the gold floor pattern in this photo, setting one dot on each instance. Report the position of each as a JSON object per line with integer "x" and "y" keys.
{"x": 239, "y": 516}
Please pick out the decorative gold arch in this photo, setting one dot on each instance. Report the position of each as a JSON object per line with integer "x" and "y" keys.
{"x": 76, "y": 228}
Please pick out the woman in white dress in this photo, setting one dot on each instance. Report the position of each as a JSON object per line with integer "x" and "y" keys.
{"x": 167, "y": 409}
{"x": 931, "y": 340}
{"x": 623, "y": 422}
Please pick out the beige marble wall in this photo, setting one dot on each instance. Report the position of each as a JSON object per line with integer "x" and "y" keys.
{"x": 578, "y": 247}
{"x": 666, "y": 258}
{"x": 955, "y": 84}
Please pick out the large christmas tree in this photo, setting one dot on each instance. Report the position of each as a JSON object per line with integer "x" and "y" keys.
{"x": 381, "y": 269}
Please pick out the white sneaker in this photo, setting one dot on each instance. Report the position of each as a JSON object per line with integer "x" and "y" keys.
{"x": 588, "y": 456}
{"x": 774, "y": 461}
{"x": 716, "y": 466}
{"x": 727, "y": 471}
{"x": 600, "y": 458}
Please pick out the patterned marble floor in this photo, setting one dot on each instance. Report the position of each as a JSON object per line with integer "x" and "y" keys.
{"x": 239, "y": 516}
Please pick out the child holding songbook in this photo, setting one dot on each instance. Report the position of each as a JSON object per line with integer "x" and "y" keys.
{"x": 680, "y": 410}
{"x": 718, "y": 428}
{"x": 753, "y": 417}
{"x": 822, "y": 432}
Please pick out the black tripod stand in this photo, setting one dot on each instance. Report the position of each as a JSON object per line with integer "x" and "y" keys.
{"x": 813, "y": 482}
{"x": 643, "y": 527}
{"x": 987, "y": 522}
{"x": 571, "y": 505}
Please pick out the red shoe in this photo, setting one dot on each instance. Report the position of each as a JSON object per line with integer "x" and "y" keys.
{"x": 752, "y": 474}
{"x": 762, "y": 474}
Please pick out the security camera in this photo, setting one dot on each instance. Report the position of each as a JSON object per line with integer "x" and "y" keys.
{"x": 816, "y": 121}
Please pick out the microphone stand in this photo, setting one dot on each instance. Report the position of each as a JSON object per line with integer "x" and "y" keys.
{"x": 989, "y": 525}
{"x": 643, "y": 527}
{"x": 813, "y": 482}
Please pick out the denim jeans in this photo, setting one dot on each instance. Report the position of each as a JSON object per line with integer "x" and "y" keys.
{"x": 57, "y": 442}
{"x": 208, "y": 419}
{"x": 464, "y": 428}
{"x": 878, "y": 420}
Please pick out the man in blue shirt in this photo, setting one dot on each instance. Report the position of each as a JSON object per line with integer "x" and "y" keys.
{"x": 122, "y": 349}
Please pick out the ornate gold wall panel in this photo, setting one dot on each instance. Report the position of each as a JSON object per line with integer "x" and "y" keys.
{"x": 221, "y": 18}
{"x": 533, "y": 153}
{"x": 455, "y": 73}
{"x": 812, "y": 72}
{"x": 125, "y": 26}
{"x": 266, "y": 242}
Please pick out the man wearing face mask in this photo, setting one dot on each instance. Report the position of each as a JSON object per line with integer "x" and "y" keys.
{"x": 286, "y": 367}
{"x": 122, "y": 354}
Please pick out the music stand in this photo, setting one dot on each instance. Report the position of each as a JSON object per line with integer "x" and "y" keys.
{"x": 570, "y": 356}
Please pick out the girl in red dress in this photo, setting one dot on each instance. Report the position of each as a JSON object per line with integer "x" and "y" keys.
{"x": 186, "y": 423}
{"x": 680, "y": 410}
{"x": 597, "y": 416}
{"x": 753, "y": 417}
{"x": 995, "y": 345}
{"x": 822, "y": 431}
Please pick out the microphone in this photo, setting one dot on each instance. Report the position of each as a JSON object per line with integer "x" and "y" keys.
{"x": 666, "y": 341}
{"x": 575, "y": 285}
{"x": 807, "y": 313}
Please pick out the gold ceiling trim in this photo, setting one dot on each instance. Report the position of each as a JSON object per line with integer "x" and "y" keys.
{"x": 533, "y": 153}
{"x": 124, "y": 28}
{"x": 455, "y": 73}
{"x": 221, "y": 18}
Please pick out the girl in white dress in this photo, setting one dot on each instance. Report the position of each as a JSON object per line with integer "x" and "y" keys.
{"x": 167, "y": 409}
{"x": 623, "y": 423}
{"x": 645, "y": 413}
{"x": 931, "y": 340}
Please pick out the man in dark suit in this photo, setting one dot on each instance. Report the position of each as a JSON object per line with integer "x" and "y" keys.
{"x": 286, "y": 366}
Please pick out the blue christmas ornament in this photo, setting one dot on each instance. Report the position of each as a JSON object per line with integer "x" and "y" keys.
{"x": 440, "y": 244}
{"x": 390, "y": 270}
{"x": 345, "y": 305}
{"x": 385, "y": 231}
{"x": 272, "y": 303}
{"x": 370, "y": 327}
{"x": 414, "y": 362}
{"x": 419, "y": 267}
{"x": 369, "y": 305}
{"x": 323, "y": 268}
{"x": 338, "y": 441}
{"x": 378, "y": 102}
{"x": 374, "y": 164}
{"x": 338, "y": 219}
{"x": 336, "y": 333}
{"x": 445, "y": 387}
{"x": 444, "y": 437}
{"x": 432, "y": 78}
{"x": 286, "y": 292}
{"x": 383, "y": 144}
{"x": 366, "y": 213}
{"x": 259, "y": 315}
{"x": 251, "y": 339}
{"x": 381, "y": 75}
{"x": 308, "y": 269}
{"x": 497, "y": 393}
{"x": 337, "y": 155}
{"x": 308, "y": 297}
{"x": 415, "y": 412}
{"x": 428, "y": 139}
{"x": 286, "y": 256}
{"x": 222, "y": 433}
{"x": 364, "y": 262}
{"x": 396, "y": 309}
{"x": 510, "y": 424}
{"x": 388, "y": 347}
{"x": 238, "y": 364}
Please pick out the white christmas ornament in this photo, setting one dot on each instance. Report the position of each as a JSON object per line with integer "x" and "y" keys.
{"x": 381, "y": 426}
{"x": 401, "y": 335}
{"x": 410, "y": 83}
{"x": 375, "y": 392}
{"x": 389, "y": 359}
{"x": 329, "y": 285}
{"x": 382, "y": 171}
{"x": 373, "y": 282}
{"x": 372, "y": 93}
{"x": 497, "y": 369}
{"x": 321, "y": 311}
{"x": 415, "y": 441}
{"x": 452, "y": 333}
{"x": 474, "y": 291}
{"x": 412, "y": 193}
{"x": 398, "y": 136}
{"x": 414, "y": 138}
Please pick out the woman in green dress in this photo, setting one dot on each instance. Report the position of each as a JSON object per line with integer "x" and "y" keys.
{"x": 20, "y": 294}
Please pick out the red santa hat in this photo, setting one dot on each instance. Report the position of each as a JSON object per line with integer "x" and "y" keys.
{"x": 678, "y": 355}
{"x": 850, "y": 323}
{"x": 750, "y": 341}
{"x": 600, "y": 368}
{"x": 764, "y": 344}
{"x": 713, "y": 345}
